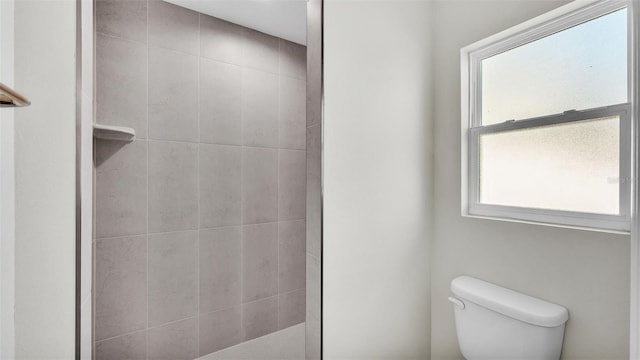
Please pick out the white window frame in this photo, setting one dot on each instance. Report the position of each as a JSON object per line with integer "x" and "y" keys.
{"x": 471, "y": 56}
{"x": 572, "y": 218}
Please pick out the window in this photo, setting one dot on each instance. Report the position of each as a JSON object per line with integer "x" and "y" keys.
{"x": 547, "y": 121}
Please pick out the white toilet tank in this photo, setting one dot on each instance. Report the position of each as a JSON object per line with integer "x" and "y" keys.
{"x": 493, "y": 322}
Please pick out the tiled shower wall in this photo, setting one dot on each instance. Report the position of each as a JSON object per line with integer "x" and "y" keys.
{"x": 313, "y": 329}
{"x": 200, "y": 222}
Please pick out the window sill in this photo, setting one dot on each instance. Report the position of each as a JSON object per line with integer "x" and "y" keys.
{"x": 530, "y": 222}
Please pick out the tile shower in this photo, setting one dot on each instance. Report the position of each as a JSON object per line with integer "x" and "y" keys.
{"x": 200, "y": 221}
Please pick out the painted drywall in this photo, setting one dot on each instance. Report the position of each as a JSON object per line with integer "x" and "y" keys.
{"x": 283, "y": 19}
{"x": 376, "y": 179}
{"x": 45, "y": 45}
{"x": 86, "y": 104}
{"x": 7, "y": 187}
{"x": 588, "y": 272}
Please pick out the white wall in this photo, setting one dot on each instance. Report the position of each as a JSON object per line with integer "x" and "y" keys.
{"x": 376, "y": 179}
{"x": 45, "y": 179}
{"x": 585, "y": 271}
{"x": 7, "y": 183}
{"x": 86, "y": 180}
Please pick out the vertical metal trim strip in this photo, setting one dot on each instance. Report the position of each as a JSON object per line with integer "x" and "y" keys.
{"x": 321, "y": 177}
{"x": 78, "y": 171}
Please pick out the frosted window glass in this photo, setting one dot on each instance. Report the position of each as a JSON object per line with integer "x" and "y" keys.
{"x": 582, "y": 67}
{"x": 571, "y": 166}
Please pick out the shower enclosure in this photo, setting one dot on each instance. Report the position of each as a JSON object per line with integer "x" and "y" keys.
{"x": 207, "y": 221}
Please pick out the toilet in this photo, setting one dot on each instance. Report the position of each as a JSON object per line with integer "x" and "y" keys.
{"x": 493, "y": 322}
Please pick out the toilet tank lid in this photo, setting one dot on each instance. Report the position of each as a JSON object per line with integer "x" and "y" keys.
{"x": 510, "y": 303}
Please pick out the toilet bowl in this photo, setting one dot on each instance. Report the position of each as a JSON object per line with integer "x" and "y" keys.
{"x": 493, "y": 322}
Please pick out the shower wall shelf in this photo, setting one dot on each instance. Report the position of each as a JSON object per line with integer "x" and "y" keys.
{"x": 12, "y": 98}
{"x": 109, "y": 132}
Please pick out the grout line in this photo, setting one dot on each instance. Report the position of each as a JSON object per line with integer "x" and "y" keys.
{"x": 278, "y": 276}
{"x": 221, "y": 227}
{"x": 176, "y": 51}
{"x": 145, "y": 234}
{"x": 94, "y": 105}
{"x": 272, "y": 222}
{"x": 264, "y": 298}
{"x": 121, "y": 335}
{"x": 123, "y": 38}
{"x": 235, "y": 306}
{"x": 199, "y": 189}
{"x": 294, "y": 290}
{"x": 242, "y": 152}
{"x": 94, "y": 113}
{"x": 172, "y": 322}
{"x": 217, "y": 144}
{"x": 218, "y": 61}
{"x": 148, "y": 135}
{"x": 195, "y": 229}
{"x": 278, "y": 182}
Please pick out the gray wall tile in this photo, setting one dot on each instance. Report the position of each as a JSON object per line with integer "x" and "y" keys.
{"x": 176, "y": 341}
{"x": 291, "y": 308}
{"x": 260, "y": 51}
{"x": 313, "y": 178}
{"x": 121, "y": 83}
{"x": 292, "y": 113}
{"x": 131, "y": 347}
{"x": 260, "y": 261}
{"x": 293, "y": 59}
{"x": 259, "y": 185}
{"x": 314, "y": 68}
{"x": 313, "y": 295}
{"x": 312, "y": 335}
{"x": 173, "y": 186}
{"x": 292, "y": 185}
{"x": 221, "y": 40}
{"x": 314, "y": 200}
{"x": 220, "y": 268}
{"x": 220, "y": 103}
{"x": 173, "y": 27}
{"x": 123, "y": 18}
{"x": 121, "y": 188}
{"x": 173, "y": 95}
{"x": 121, "y": 286}
{"x": 314, "y": 108}
{"x": 240, "y": 93}
{"x": 172, "y": 276}
{"x": 259, "y": 318}
{"x": 219, "y": 330}
{"x": 291, "y": 255}
{"x": 220, "y": 185}
{"x": 259, "y": 108}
